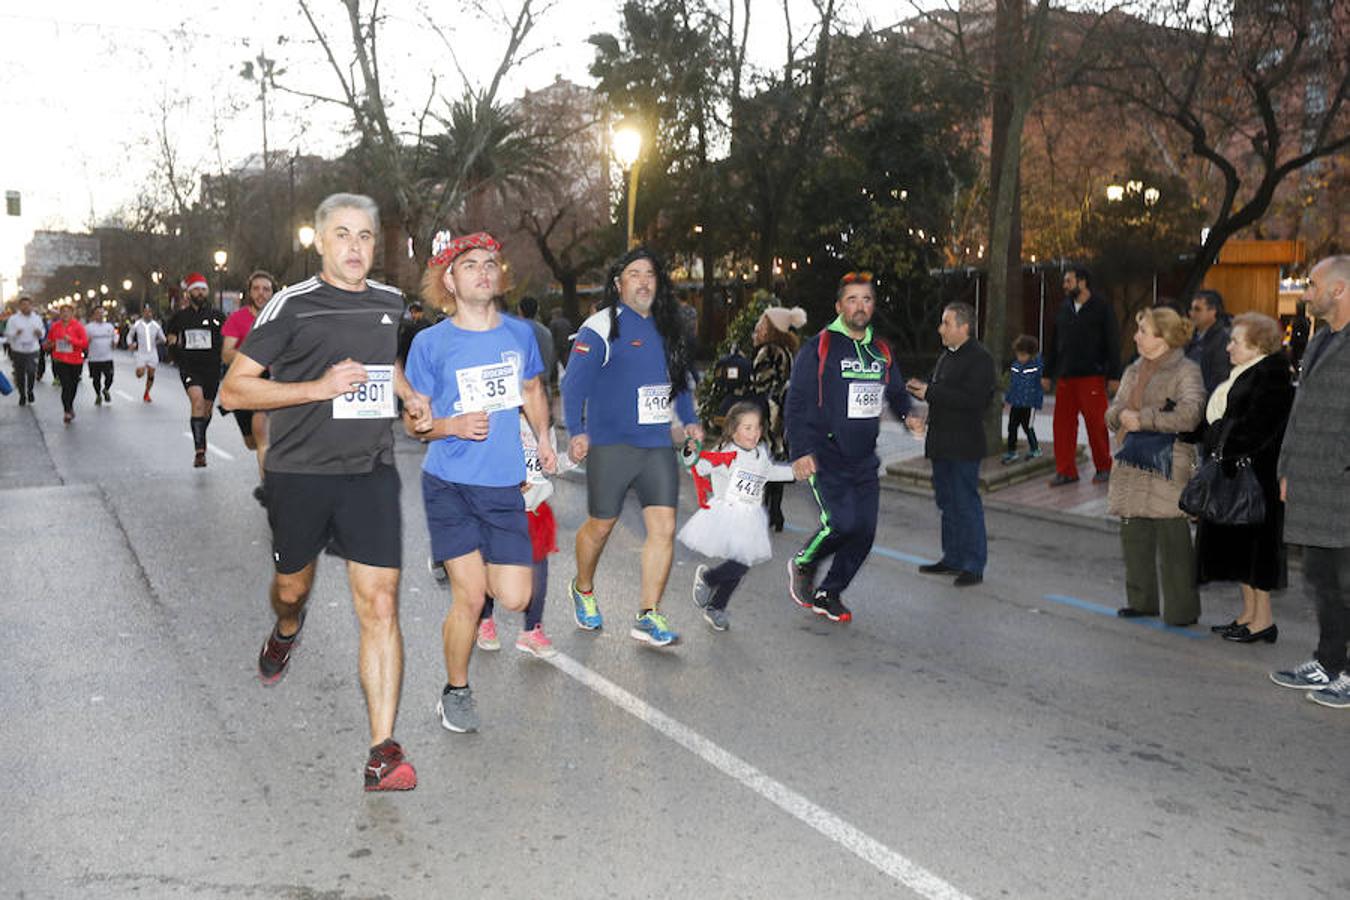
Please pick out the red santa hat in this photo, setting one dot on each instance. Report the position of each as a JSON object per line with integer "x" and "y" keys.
{"x": 447, "y": 249}
{"x": 196, "y": 280}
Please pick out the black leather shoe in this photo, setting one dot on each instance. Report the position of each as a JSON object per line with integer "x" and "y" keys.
{"x": 966, "y": 579}
{"x": 1231, "y": 626}
{"x": 1246, "y": 636}
{"x": 1129, "y": 612}
{"x": 938, "y": 568}
{"x": 1061, "y": 480}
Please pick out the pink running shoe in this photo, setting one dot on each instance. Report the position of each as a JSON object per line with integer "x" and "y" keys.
{"x": 487, "y": 635}
{"x": 536, "y": 642}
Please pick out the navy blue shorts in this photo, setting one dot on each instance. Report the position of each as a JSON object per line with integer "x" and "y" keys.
{"x": 463, "y": 518}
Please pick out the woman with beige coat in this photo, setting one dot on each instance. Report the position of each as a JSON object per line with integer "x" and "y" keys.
{"x": 1161, "y": 397}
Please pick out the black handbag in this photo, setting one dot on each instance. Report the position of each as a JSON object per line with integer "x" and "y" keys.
{"x": 1224, "y": 499}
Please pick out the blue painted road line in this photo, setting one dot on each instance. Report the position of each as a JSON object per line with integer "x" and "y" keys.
{"x": 1155, "y": 624}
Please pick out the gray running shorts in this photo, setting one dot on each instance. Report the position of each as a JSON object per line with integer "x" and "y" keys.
{"x": 614, "y": 468}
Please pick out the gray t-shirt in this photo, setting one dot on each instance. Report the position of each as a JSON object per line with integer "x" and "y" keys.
{"x": 101, "y": 336}
{"x": 301, "y": 333}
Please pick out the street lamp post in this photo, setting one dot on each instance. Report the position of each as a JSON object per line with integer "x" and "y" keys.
{"x": 220, "y": 257}
{"x": 627, "y": 143}
{"x": 305, "y": 234}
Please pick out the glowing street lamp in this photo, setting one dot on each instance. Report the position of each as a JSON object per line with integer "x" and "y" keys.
{"x": 627, "y": 143}
{"x": 305, "y": 235}
{"x": 1115, "y": 193}
{"x": 126, "y": 284}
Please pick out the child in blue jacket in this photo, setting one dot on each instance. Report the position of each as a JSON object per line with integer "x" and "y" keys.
{"x": 1024, "y": 395}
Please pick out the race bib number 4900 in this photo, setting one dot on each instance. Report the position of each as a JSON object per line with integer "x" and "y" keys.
{"x": 488, "y": 388}
{"x": 197, "y": 339}
{"x": 864, "y": 399}
{"x": 372, "y": 400}
{"x": 653, "y": 402}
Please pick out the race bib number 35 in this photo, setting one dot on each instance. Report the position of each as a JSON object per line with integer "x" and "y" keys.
{"x": 653, "y": 402}
{"x": 488, "y": 388}
{"x": 372, "y": 400}
{"x": 864, "y": 399}
{"x": 197, "y": 339}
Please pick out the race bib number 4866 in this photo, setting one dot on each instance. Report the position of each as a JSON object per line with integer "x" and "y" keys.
{"x": 372, "y": 400}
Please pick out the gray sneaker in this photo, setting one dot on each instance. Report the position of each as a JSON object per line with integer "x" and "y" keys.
{"x": 717, "y": 618}
{"x": 1335, "y": 695}
{"x": 1308, "y": 677}
{"x": 702, "y": 590}
{"x": 457, "y": 711}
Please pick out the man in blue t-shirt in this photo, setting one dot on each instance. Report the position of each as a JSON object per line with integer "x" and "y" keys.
{"x": 629, "y": 365}
{"x": 479, "y": 368}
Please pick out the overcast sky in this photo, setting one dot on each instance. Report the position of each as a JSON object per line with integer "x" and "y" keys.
{"x": 84, "y": 83}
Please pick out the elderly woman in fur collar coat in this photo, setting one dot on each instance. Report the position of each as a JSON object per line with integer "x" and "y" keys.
{"x": 1246, "y": 416}
{"x": 1161, "y": 397}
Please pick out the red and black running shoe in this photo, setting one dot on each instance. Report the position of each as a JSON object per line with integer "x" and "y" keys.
{"x": 801, "y": 583}
{"x": 276, "y": 653}
{"x": 828, "y": 604}
{"x": 387, "y": 770}
{"x": 199, "y": 459}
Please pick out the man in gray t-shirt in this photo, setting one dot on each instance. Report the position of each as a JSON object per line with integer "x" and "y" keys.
{"x": 101, "y": 336}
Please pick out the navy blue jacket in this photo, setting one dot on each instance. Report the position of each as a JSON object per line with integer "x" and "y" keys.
{"x": 817, "y": 399}
{"x": 1024, "y": 388}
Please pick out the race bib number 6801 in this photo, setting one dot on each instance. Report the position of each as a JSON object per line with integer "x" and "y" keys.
{"x": 372, "y": 400}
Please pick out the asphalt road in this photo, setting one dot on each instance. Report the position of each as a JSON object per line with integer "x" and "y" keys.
{"x": 1009, "y": 740}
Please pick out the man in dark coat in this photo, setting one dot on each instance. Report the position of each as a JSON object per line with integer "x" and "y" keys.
{"x": 958, "y": 395}
{"x": 1209, "y": 344}
{"x": 1314, "y": 474}
{"x": 1083, "y": 357}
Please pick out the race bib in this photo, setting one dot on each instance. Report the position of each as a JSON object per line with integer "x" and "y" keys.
{"x": 372, "y": 400}
{"x": 488, "y": 388}
{"x": 864, "y": 399}
{"x": 746, "y": 487}
{"x": 197, "y": 339}
{"x": 653, "y": 402}
{"x": 63, "y": 346}
{"x": 534, "y": 469}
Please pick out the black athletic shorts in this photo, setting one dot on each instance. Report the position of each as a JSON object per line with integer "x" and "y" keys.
{"x": 244, "y": 418}
{"x": 208, "y": 379}
{"x": 613, "y": 469}
{"x": 355, "y": 517}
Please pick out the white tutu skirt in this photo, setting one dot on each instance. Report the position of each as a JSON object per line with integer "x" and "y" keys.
{"x": 730, "y": 530}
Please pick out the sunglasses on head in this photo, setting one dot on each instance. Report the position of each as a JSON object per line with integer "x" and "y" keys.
{"x": 857, "y": 278}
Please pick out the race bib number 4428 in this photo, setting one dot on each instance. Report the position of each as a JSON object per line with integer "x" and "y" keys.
{"x": 372, "y": 400}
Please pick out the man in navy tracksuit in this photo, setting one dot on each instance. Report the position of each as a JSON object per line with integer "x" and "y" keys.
{"x": 840, "y": 381}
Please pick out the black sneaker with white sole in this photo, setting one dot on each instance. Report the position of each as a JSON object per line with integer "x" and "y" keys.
{"x": 801, "y": 583}
{"x": 827, "y": 604}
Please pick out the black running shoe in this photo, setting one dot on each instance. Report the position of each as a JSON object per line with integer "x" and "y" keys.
{"x": 801, "y": 583}
{"x": 261, "y": 496}
{"x": 276, "y": 653}
{"x": 830, "y": 606}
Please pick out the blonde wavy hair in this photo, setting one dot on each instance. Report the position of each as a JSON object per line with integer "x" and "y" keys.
{"x": 1167, "y": 324}
{"x": 434, "y": 292}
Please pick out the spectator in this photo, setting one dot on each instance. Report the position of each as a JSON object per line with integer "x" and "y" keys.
{"x": 528, "y": 309}
{"x": 1299, "y": 331}
{"x": 1314, "y": 471}
{"x": 1083, "y": 357}
{"x": 1025, "y": 396}
{"x": 957, "y": 396}
{"x": 408, "y": 328}
{"x": 775, "y": 347}
{"x": 1246, "y": 415}
{"x": 562, "y": 330}
{"x": 1161, "y": 396}
{"x": 1209, "y": 346}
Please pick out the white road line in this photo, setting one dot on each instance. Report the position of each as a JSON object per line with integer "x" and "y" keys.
{"x": 889, "y": 862}
{"x": 214, "y": 449}
{"x": 125, "y": 396}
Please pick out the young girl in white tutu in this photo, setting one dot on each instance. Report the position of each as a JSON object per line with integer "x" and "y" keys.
{"x": 733, "y": 525}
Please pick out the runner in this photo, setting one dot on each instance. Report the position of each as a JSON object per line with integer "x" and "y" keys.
{"x": 329, "y": 343}
{"x": 67, "y": 342}
{"x": 101, "y": 336}
{"x": 146, "y": 336}
{"x": 252, "y": 423}
{"x": 840, "y": 380}
{"x": 194, "y": 341}
{"x": 629, "y": 364}
{"x": 24, "y": 335}
{"x": 480, "y": 368}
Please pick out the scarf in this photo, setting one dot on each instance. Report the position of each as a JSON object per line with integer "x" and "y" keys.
{"x": 1218, "y": 401}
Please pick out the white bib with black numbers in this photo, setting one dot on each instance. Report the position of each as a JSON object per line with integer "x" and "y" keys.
{"x": 197, "y": 339}
{"x": 63, "y": 346}
{"x": 372, "y": 400}
{"x": 653, "y": 404}
{"x": 864, "y": 399}
{"x": 746, "y": 487}
{"x": 488, "y": 388}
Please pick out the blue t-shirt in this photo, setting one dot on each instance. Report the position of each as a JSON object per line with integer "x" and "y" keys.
{"x": 490, "y": 365}
{"x": 609, "y": 399}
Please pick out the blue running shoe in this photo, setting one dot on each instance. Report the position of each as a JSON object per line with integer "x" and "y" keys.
{"x": 651, "y": 627}
{"x": 584, "y": 607}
